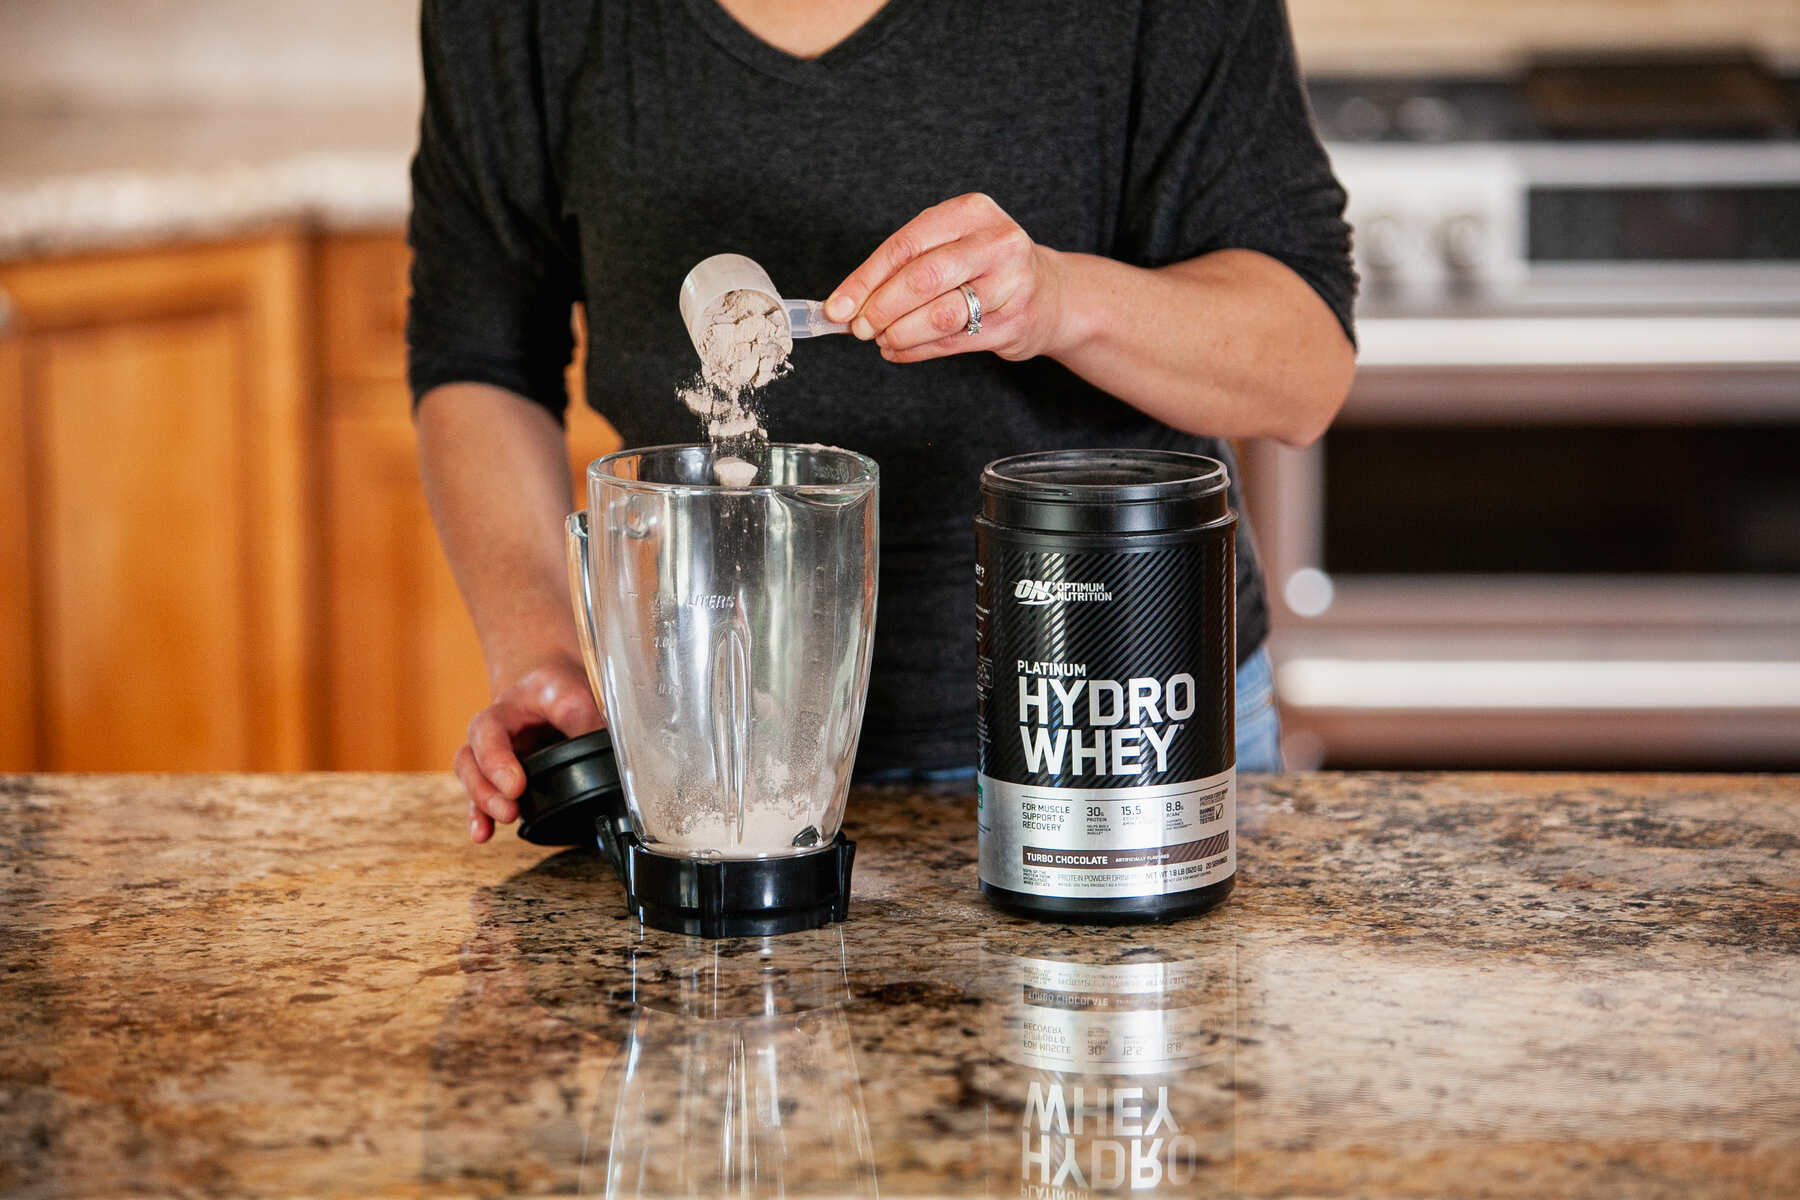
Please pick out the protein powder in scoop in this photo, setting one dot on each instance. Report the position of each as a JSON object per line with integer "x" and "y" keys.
{"x": 1104, "y": 676}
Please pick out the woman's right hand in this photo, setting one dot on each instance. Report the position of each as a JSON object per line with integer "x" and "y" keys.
{"x": 548, "y": 699}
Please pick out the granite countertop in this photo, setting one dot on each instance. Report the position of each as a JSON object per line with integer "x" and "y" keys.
{"x": 1424, "y": 985}
{"x": 101, "y": 179}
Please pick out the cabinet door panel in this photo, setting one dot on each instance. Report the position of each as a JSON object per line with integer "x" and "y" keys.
{"x": 141, "y": 577}
{"x": 159, "y": 441}
{"x": 404, "y": 667}
{"x": 362, "y": 305}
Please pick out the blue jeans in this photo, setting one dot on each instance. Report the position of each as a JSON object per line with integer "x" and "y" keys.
{"x": 1258, "y": 727}
{"x": 1258, "y": 721}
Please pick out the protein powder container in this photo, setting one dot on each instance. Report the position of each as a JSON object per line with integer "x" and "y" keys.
{"x": 1105, "y": 667}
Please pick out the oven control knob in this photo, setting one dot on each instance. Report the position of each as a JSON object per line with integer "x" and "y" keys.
{"x": 1360, "y": 119}
{"x": 1427, "y": 118}
{"x": 1464, "y": 241}
{"x": 1382, "y": 239}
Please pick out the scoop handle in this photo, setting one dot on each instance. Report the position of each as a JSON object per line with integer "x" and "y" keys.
{"x": 807, "y": 318}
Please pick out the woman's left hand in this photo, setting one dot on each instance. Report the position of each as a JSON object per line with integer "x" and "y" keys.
{"x": 908, "y": 295}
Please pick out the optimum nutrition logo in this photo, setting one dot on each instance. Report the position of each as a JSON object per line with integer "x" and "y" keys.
{"x": 1033, "y": 592}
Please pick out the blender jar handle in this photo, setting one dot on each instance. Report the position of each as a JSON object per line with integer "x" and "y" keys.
{"x": 582, "y": 594}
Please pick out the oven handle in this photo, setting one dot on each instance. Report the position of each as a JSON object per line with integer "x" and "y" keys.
{"x": 1309, "y": 682}
{"x": 1576, "y": 341}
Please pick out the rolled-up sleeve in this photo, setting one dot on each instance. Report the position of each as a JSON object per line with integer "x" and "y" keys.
{"x": 495, "y": 266}
{"x": 1223, "y": 153}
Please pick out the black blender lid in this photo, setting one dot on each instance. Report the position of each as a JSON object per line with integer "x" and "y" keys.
{"x": 569, "y": 785}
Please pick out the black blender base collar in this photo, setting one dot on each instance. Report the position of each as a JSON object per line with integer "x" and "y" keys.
{"x": 573, "y": 797}
{"x": 756, "y": 897}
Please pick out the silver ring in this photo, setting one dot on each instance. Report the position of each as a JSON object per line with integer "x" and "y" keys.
{"x": 974, "y": 325}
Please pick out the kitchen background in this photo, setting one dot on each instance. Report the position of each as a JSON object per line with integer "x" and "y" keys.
{"x": 1558, "y": 523}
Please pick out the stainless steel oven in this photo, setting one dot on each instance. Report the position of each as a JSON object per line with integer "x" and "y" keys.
{"x": 1558, "y": 522}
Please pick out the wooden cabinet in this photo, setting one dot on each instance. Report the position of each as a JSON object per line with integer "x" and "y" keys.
{"x": 402, "y": 664}
{"x": 158, "y": 575}
{"x": 214, "y": 552}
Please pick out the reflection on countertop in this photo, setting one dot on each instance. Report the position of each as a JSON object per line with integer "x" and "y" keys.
{"x": 1423, "y": 985}
{"x": 726, "y": 1068}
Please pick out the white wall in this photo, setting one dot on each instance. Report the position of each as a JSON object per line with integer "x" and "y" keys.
{"x": 176, "y": 53}
{"x": 1496, "y": 36}
{"x": 264, "y": 53}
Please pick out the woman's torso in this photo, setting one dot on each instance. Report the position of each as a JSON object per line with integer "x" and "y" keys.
{"x": 684, "y": 136}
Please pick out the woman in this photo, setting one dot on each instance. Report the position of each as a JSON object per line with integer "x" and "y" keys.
{"x": 1132, "y": 192}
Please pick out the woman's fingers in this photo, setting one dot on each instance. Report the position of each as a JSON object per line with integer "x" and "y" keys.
{"x": 993, "y": 337}
{"x": 936, "y": 226}
{"x": 908, "y": 296}
{"x": 490, "y": 738}
{"x": 484, "y": 802}
{"x": 918, "y": 283}
{"x": 931, "y": 287}
{"x": 947, "y": 316}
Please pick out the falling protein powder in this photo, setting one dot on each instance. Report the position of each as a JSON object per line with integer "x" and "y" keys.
{"x": 744, "y": 344}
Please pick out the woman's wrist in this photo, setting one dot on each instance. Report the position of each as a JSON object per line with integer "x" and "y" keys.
{"x": 1055, "y": 293}
{"x": 510, "y": 659}
{"x": 1074, "y": 302}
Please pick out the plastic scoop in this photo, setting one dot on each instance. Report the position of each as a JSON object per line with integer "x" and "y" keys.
{"x": 714, "y": 278}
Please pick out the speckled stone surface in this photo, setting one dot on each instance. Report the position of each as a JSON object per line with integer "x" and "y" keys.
{"x": 1424, "y": 985}
{"x": 91, "y": 180}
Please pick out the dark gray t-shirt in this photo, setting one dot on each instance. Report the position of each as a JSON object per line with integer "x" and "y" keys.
{"x": 594, "y": 150}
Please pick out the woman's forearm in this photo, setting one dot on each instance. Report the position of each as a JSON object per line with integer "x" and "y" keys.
{"x": 1231, "y": 344}
{"x": 496, "y": 474}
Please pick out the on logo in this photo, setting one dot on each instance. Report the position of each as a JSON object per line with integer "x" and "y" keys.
{"x": 1058, "y": 591}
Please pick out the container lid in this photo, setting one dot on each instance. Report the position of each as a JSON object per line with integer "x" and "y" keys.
{"x": 569, "y": 786}
{"x": 1105, "y": 491}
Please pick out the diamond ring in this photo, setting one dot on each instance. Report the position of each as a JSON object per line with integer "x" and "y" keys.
{"x": 974, "y": 325}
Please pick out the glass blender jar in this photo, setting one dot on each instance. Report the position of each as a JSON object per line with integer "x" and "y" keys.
{"x": 727, "y": 631}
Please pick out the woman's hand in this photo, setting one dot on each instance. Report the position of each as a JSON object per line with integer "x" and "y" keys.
{"x": 1230, "y": 344}
{"x": 548, "y": 699}
{"x": 907, "y": 297}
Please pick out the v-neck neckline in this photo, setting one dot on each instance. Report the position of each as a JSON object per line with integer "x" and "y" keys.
{"x": 738, "y": 40}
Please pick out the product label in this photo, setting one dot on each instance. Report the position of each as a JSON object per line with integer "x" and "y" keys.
{"x": 1133, "y": 841}
{"x": 1105, "y": 692}
{"x": 1123, "y": 1019}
